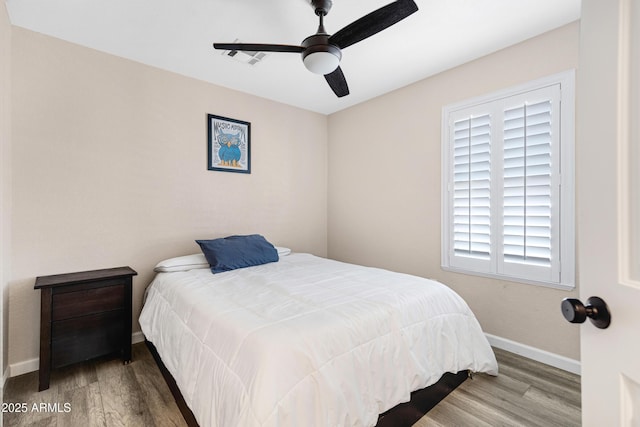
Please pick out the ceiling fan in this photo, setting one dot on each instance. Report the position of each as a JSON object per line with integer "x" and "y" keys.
{"x": 321, "y": 52}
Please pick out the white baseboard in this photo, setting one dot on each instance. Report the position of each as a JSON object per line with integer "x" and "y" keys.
{"x": 137, "y": 337}
{"x": 542, "y": 356}
{"x": 26, "y": 366}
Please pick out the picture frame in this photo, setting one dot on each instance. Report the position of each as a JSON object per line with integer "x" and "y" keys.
{"x": 229, "y": 144}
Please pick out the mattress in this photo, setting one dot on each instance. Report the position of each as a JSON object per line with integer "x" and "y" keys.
{"x": 307, "y": 341}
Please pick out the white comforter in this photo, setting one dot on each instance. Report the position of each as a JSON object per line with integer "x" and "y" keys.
{"x": 307, "y": 341}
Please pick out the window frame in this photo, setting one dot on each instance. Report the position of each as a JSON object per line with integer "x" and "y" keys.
{"x": 561, "y": 274}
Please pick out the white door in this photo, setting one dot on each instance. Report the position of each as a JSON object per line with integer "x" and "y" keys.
{"x": 608, "y": 213}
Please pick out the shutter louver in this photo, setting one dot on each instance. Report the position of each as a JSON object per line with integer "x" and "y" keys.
{"x": 527, "y": 202}
{"x": 471, "y": 187}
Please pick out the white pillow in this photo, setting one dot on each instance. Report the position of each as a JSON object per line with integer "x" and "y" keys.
{"x": 182, "y": 263}
{"x": 283, "y": 251}
{"x": 196, "y": 261}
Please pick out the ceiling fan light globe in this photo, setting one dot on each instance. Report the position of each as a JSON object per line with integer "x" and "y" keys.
{"x": 321, "y": 62}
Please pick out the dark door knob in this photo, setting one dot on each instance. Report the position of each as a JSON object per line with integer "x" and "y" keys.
{"x": 596, "y": 310}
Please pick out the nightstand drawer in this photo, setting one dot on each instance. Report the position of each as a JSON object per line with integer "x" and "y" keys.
{"x": 86, "y": 337}
{"x": 90, "y": 301}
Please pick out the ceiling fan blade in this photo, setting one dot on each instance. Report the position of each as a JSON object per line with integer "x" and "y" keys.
{"x": 256, "y": 47}
{"x": 337, "y": 82}
{"x": 373, "y": 23}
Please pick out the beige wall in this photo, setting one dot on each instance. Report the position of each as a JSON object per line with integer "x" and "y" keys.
{"x": 385, "y": 188}
{"x": 5, "y": 180}
{"x": 110, "y": 168}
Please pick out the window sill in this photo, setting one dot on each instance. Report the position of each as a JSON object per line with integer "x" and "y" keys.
{"x": 554, "y": 285}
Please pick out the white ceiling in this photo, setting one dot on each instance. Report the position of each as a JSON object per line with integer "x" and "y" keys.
{"x": 177, "y": 35}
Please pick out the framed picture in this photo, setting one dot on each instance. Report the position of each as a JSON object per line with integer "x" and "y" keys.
{"x": 229, "y": 144}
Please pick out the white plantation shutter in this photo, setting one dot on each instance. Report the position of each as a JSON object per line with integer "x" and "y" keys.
{"x": 508, "y": 185}
{"x": 471, "y": 182}
{"x": 527, "y": 213}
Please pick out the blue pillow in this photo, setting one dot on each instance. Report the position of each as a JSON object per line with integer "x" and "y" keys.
{"x": 234, "y": 252}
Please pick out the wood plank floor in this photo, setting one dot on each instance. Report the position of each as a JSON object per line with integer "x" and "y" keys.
{"x": 102, "y": 392}
{"x": 105, "y": 392}
{"x": 525, "y": 393}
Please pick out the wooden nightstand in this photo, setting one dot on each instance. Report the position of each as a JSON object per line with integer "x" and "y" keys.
{"x": 84, "y": 315}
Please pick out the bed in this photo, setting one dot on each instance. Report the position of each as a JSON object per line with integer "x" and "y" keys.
{"x": 305, "y": 340}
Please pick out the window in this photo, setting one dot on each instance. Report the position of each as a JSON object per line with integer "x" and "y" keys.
{"x": 508, "y": 184}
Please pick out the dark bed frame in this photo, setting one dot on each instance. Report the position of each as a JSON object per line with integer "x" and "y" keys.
{"x": 402, "y": 415}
